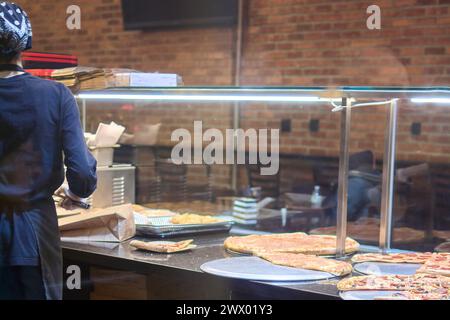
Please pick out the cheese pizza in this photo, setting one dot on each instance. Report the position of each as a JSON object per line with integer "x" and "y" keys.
{"x": 436, "y": 294}
{"x": 415, "y": 287}
{"x": 438, "y": 264}
{"x": 288, "y": 243}
{"x": 424, "y": 283}
{"x": 309, "y": 262}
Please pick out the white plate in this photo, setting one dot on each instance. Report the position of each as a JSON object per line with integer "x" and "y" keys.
{"x": 254, "y": 268}
{"x": 382, "y": 268}
{"x": 365, "y": 295}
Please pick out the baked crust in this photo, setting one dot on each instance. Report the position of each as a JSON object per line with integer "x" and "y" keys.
{"x": 309, "y": 262}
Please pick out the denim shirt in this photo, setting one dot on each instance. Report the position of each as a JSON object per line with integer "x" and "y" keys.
{"x": 39, "y": 121}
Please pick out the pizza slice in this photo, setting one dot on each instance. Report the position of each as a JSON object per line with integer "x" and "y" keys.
{"x": 163, "y": 246}
{"x": 413, "y": 257}
{"x": 381, "y": 283}
{"x": 309, "y": 262}
{"x": 439, "y": 264}
{"x": 419, "y": 283}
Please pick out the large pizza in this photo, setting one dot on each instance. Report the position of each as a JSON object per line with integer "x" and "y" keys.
{"x": 410, "y": 257}
{"x": 415, "y": 287}
{"x": 288, "y": 243}
{"x": 309, "y": 262}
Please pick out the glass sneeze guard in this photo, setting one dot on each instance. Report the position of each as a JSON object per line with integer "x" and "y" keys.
{"x": 341, "y": 99}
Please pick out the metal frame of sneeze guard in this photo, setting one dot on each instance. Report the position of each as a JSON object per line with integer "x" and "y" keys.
{"x": 386, "y": 213}
{"x": 341, "y": 223}
{"x": 348, "y": 95}
{"x": 387, "y": 196}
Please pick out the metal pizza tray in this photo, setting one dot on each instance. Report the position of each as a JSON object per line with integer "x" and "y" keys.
{"x": 257, "y": 269}
{"x": 236, "y": 253}
{"x": 161, "y": 227}
{"x": 383, "y": 268}
{"x": 366, "y": 295}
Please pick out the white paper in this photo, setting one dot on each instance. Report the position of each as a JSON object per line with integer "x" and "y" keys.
{"x": 153, "y": 80}
{"x": 108, "y": 135}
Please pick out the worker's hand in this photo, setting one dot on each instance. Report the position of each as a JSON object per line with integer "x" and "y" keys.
{"x": 69, "y": 200}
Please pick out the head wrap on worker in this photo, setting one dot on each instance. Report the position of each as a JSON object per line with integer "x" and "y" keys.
{"x": 15, "y": 29}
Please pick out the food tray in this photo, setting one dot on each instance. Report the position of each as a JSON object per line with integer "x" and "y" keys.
{"x": 365, "y": 295}
{"x": 161, "y": 227}
{"x": 257, "y": 269}
{"x": 383, "y": 268}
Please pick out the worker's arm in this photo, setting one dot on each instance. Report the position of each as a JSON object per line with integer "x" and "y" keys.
{"x": 81, "y": 165}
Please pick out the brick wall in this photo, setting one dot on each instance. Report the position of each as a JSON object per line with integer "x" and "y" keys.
{"x": 286, "y": 42}
{"x": 200, "y": 55}
{"x": 323, "y": 42}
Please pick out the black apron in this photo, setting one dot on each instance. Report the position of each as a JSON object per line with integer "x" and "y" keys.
{"x": 43, "y": 221}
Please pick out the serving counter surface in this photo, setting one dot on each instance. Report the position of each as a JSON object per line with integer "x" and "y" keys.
{"x": 186, "y": 266}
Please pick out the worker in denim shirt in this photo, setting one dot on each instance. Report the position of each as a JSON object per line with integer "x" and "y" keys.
{"x": 39, "y": 122}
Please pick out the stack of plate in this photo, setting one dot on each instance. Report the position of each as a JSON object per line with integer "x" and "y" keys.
{"x": 245, "y": 211}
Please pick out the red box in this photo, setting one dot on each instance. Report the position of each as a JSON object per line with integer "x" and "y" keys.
{"x": 41, "y": 73}
{"x": 38, "y": 60}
